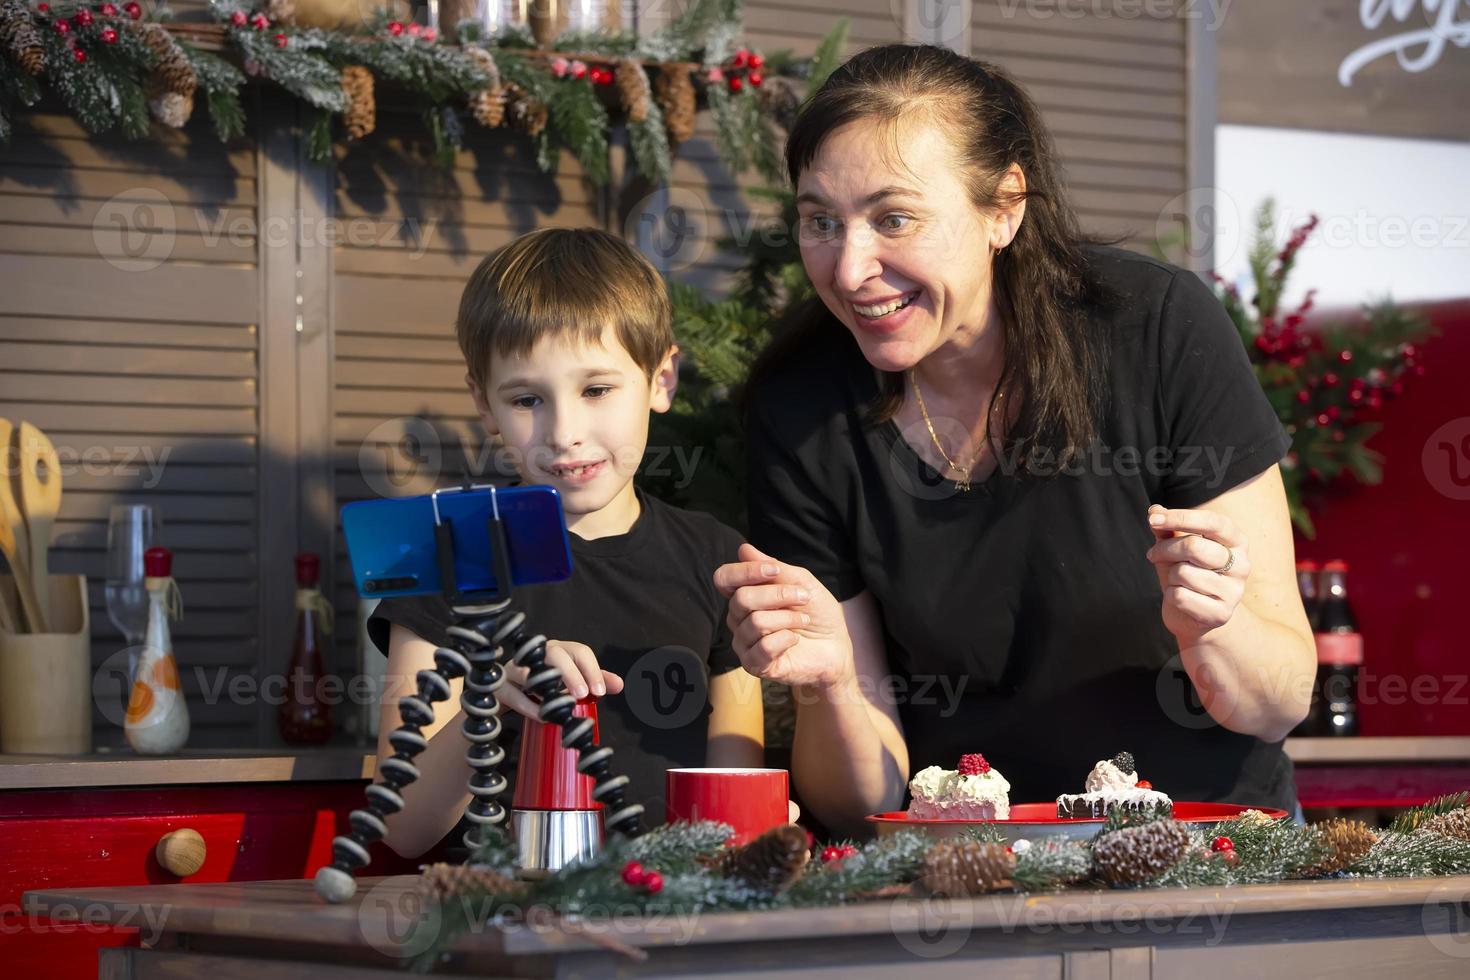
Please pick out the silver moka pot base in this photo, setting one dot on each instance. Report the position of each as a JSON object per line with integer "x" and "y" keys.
{"x": 548, "y": 840}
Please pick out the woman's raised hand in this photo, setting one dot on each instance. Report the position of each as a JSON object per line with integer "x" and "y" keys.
{"x": 787, "y": 626}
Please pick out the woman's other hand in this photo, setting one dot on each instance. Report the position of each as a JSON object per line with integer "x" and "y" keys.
{"x": 787, "y": 626}
{"x": 1203, "y": 561}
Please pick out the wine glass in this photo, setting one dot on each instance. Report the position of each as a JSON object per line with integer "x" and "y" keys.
{"x": 131, "y": 529}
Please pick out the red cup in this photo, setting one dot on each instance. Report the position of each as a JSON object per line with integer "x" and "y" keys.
{"x": 547, "y": 777}
{"x": 750, "y": 800}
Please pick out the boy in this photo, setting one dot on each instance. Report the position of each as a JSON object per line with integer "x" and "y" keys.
{"x": 567, "y": 337}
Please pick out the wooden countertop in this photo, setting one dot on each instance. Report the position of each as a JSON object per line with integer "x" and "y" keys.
{"x": 1368, "y": 750}
{"x": 202, "y": 766}
{"x": 291, "y": 912}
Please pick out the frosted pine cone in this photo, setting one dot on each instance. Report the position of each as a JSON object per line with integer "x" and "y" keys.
{"x": 674, "y": 90}
{"x": 488, "y": 104}
{"x": 19, "y": 37}
{"x": 961, "y": 868}
{"x": 361, "y": 117}
{"x": 1135, "y": 854}
{"x": 633, "y": 89}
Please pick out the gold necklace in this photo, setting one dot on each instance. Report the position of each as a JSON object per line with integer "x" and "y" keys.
{"x": 964, "y": 482}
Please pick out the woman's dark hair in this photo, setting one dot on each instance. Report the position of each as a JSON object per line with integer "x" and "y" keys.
{"x": 1055, "y": 362}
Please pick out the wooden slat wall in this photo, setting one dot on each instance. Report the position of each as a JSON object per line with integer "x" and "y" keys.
{"x": 1114, "y": 91}
{"x": 126, "y": 346}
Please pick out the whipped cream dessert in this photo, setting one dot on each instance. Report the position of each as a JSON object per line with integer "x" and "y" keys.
{"x": 1112, "y": 783}
{"x": 974, "y": 791}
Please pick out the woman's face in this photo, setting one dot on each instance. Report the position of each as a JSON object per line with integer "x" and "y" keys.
{"x": 892, "y": 242}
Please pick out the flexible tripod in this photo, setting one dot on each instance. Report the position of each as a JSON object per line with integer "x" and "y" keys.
{"x": 485, "y": 633}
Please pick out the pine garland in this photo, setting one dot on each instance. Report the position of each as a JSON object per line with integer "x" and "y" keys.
{"x": 109, "y": 82}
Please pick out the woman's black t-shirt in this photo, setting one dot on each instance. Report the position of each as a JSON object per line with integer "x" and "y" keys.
{"x": 1022, "y": 619}
{"x": 646, "y": 604}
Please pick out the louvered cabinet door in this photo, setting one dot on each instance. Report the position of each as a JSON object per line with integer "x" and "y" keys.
{"x": 130, "y": 332}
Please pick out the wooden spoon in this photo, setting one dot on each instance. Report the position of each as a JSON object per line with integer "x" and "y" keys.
{"x": 40, "y": 502}
{"x": 14, "y": 542}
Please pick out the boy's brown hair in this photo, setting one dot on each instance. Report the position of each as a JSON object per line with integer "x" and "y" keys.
{"x": 563, "y": 282}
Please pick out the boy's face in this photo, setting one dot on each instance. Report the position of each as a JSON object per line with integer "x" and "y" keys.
{"x": 575, "y": 417}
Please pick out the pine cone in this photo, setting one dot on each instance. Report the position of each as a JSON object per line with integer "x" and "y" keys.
{"x": 1136, "y": 854}
{"x": 281, "y": 11}
{"x": 19, "y": 37}
{"x": 361, "y": 116}
{"x": 440, "y": 881}
{"x": 779, "y": 100}
{"x": 171, "y": 69}
{"x": 633, "y": 89}
{"x": 674, "y": 90}
{"x": 1345, "y": 841}
{"x": 959, "y": 868}
{"x": 488, "y": 104}
{"x": 171, "y": 108}
{"x": 525, "y": 111}
{"x": 772, "y": 861}
{"x": 1454, "y": 824}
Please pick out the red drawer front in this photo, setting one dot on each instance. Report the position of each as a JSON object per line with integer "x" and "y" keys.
{"x": 80, "y": 838}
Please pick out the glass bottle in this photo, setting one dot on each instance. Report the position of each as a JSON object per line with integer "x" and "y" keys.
{"x": 157, "y": 720}
{"x": 1306, "y": 583}
{"x": 304, "y": 717}
{"x": 1339, "y": 654}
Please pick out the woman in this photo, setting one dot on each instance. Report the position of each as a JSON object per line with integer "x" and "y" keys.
{"x": 1010, "y": 492}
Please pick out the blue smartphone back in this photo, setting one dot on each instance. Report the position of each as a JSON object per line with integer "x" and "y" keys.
{"x": 392, "y": 546}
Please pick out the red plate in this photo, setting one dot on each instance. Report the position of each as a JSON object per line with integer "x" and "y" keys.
{"x": 1041, "y": 820}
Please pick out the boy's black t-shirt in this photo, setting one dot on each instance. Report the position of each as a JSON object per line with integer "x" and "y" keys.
{"x": 646, "y": 604}
{"x": 1022, "y": 619}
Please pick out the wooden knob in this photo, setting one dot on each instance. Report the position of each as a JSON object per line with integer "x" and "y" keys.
{"x": 181, "y": 851}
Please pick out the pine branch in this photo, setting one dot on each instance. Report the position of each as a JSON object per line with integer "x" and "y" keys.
{"x": 221, "y": 83}
{"x": 830, "y": 54}
{"x": 649, "y": 142}
{"x": 1410, "y": 819}
{"x": 1399, "y": 855}
{"x": 886, "y": 861}
{"x": 1051, "y": 864}
{"x": 580, "y": 121}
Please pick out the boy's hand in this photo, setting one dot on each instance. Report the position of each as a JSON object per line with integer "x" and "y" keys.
{"x": 787, "y": 627}
{"x": 579, "y": 672}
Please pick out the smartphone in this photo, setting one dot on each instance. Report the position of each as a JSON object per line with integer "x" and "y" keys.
{"x": 394, "y": 543}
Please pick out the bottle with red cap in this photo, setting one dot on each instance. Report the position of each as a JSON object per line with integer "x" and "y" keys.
{"x": 1306, "y": 583}
{"x": 1339, "y": 654}
{"x": 157, "y": 721}
{"x": 305, "y": 717}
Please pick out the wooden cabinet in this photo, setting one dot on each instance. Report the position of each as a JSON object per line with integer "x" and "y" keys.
{"x": 89, "y": 835}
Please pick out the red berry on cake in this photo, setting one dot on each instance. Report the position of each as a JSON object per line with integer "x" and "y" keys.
{"x": 1145, "y": 784}
{"x": 973, "y": 764}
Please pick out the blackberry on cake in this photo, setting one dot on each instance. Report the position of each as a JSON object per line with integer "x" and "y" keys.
{"x": 973, "y": 790}
{"x": 1113, "y": 784}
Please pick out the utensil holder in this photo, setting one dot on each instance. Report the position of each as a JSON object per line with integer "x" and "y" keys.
{"x": 46, "y": 678}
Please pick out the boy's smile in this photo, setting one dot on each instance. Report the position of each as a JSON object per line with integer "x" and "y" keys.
{"x": 575, "y": 416}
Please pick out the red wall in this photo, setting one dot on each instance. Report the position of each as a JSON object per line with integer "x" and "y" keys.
{"x": 1408, "y": 543}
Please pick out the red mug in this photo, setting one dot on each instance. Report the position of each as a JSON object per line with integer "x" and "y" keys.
{"x": 752, "y": 801}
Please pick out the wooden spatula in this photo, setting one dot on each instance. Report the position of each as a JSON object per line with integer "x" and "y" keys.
{"x": 40, "y": 502}
{"x": 14, "y": 542}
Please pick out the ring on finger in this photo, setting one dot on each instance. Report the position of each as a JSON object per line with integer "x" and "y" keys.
{"x": 1229, "y": 562}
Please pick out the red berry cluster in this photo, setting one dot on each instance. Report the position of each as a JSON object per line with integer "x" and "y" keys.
{"x": 973, "y": 764}
{"x": 635, "y": 876}
{"x": 397, "y": 28}
{"x": 742, "y": 68}
{"x": 83, "y": 25}
{"x": 1225, "y": 847}
{"x": 836, "y": 852}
